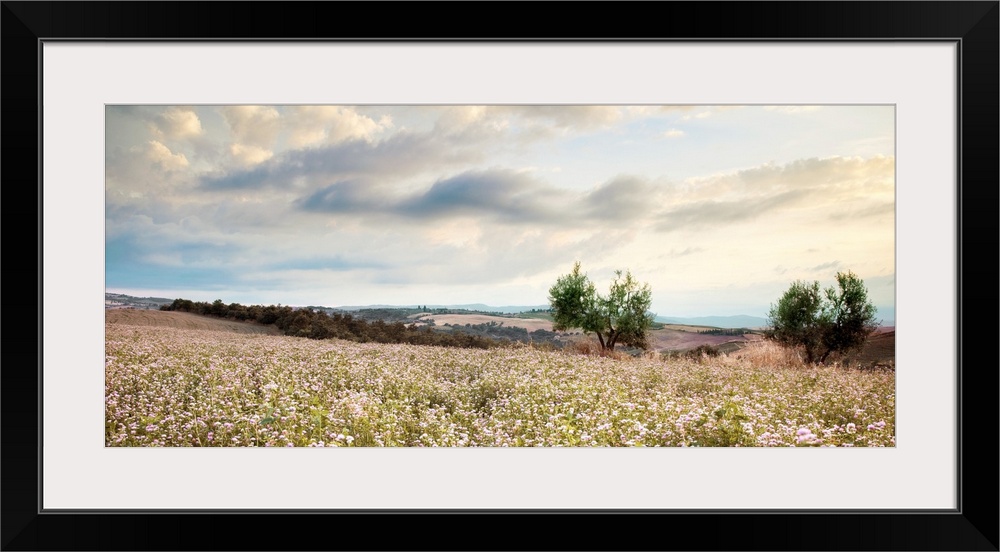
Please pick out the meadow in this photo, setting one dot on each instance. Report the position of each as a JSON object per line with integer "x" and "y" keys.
{"x": 177, "y": 387}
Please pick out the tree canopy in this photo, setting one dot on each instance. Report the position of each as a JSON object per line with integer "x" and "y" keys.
{"x": 838, "y": 320}
{"x": 622, "y": 316}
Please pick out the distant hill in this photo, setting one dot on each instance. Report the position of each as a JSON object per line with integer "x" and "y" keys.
{"x": 737, "y": 321}
{"x": 122, "y": 301}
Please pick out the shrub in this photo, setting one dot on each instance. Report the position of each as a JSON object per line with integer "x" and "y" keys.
{"x": 702, "y": 351}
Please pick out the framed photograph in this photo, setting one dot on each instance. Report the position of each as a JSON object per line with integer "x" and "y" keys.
{"x": 110, "y": 107}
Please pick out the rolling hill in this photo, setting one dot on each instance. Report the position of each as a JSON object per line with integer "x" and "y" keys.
{"x": 726, "y": 322}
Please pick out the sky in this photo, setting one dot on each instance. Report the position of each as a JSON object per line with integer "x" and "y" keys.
{"x": 718, "y": 208}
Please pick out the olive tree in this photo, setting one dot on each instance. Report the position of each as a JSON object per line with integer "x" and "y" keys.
{"x": 622, "y": 316}
{"x": 837, "y": 320}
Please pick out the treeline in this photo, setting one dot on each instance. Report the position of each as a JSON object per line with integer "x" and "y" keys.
{"x": 445, "y": 310}
{"x": 316, "y": 324}
{"x": 404, "y": 314}
{"x": 726, "y": 331}
{"x": 385, "y": 315}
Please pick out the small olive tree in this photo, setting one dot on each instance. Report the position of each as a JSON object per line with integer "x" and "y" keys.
{"x": 837, "y": 320}
{"x": 620, "y": 317}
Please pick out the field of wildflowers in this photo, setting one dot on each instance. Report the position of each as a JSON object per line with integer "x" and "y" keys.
{"x": 169, "y": 387}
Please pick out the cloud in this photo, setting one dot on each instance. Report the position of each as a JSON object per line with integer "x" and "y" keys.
{"x": 253, "y": 132}
{"x": 673, "y": 133}
{"x": 570, "y": 116}
{"x": 497, "y": 195}
{"x": 249, "y": 155}
{"x": 405, "y": 154}
{"x": 704, "y": 214}
{"x": 457, "y": 117}
{"x": 865, "y": 211}
{"x": 700, "y": 115}
{"x": 348, "y": 196}
{"x": 334, "y": 263}
{"x": 457, "y": 233}
{"x": 162, "y": 157}
{"x": 621, "y": 199}
{"x": 485, "y": 125}
{"x": 504, "y": 194}
{"x": 704, "y": 112}
{"x": 529, "y": 122}
{"x": 176, "y": 123}
{"x": 336, "y": 143}
{"x": 254, "y": 125}
{"x": 826, "y": 267}
{"x": 822, "y": 185}
{"x": 330, "y": 124}
{"x": 685, "y": 252}
{"x": 147, "y": 168}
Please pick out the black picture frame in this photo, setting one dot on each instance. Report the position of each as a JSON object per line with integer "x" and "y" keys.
{"x": 973, "y": 525}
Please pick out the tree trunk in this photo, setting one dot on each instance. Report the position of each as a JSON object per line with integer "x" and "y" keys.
{"x": 601, "y": 339}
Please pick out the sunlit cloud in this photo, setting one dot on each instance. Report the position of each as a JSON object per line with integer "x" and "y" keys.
{"x": 176, "y": 123}
{"x": 162, "y": 157}
{"x": 330, "y": 124}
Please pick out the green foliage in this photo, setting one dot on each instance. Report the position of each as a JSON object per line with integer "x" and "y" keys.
{"x": 620, "y": 317}
{"x": 572, "y": 298}
{"x": 726, "y": 331}
{"x": 796, "y": 319}
{"x": 698, "y": 354}
{"x": 851, "y": 314}
{"x": 702, "y": 351}
{"x": 837, "y": 320}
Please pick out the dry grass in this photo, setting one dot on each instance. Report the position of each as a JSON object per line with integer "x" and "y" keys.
{"x": 593, "y": 348}
{"x": 878, "y": 353}
{"x": 767, "y": 354}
